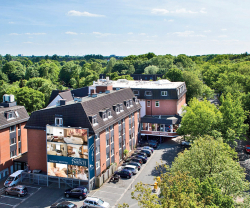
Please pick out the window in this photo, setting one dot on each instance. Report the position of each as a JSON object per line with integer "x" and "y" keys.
{"x": 19, "y": 126}
{"x": 130, "y": 103}
{"x": 157, "y": 103}
{"x": 97, "y": 149}
{"x": 129, "y": 126}
{"x": 12, "y": 128}
{"x": 107, "y": 156}
{"x": 107, "y": 142}
{"x": 109, "y": 114}
{"x": 19, "y": 150}
{"x": 97, "y": 164}
{"x": 120, "y": 145}
{"x": 129, "y": 116}
{"x": 12, "y": 153}
{"x": 112, "y": 140}
{"x": 123, "y": 142}
{"x": 119, "y": 122}
{"x": 130, "y": 137}
{"x": 94, "y": 121}
{"x": 148, "y": 103}
{"x": 104, "y": 116}
{"x": 127, "y": 104}
{"x": 164, "y": 93}
{"x": 97, "y": 136}
{"x": 112, "y": 152}
{"x": 148, "y": 93}
{"x": 59, "y": 121}
{"x": 117, "y": 110}
{"x": 107, "y": 130}
{"x": 120, "y": 133}
{"x": 121, "y": 108}
{"x": 10, "y": 115}
{"x": 111, "y": 127}
{"x": 136, "y": 92}
{"x": 12, "y": 141}
{"x": 19, "y": 139}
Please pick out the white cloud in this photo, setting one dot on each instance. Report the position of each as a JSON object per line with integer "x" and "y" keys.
{"x": 71, "y": 33}
{"x": 203, "y": 10}
{"x": 222, "y": 36}
{"x": 35, "y": 33}
{"x": 142, "y": 33}
{"x": 11, "y": 22}
{"x": 188, "y": 34}
{"x": 14, "y": 34}
{"x": 207, "y": 31}
{"x": 223, "y": 29}
{"x": 102, "y": 34}
{"x": 130, "y": 33}
{"x": 83, "y": 14}
{"x": 159, "y": 11}
{"x": 183, "y": 11}
{"x": 184, "y": 34}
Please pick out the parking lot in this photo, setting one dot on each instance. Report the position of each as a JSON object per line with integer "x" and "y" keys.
{"x": 114, "y": 193}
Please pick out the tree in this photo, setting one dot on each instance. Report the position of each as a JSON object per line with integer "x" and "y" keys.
{"x": 183, "y": 61}
{"x": 15, "y": 70}
{"x": 233, "y": 117}
{"x": 110, "y": 65}
{"x": 31, "y": 99}
{"x": 211, "y": 158}
{"x": 8, "y": 57}
{"x": 200, "y": 118}
{"x": 32, "y": 71}
{"x": 55, "y": 57}
{"x": 131, "y": 69}
{"x": 174, "y": 75}
{"x": 151, "y": 69}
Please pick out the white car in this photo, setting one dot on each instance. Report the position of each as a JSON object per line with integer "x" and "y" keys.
{"x": 90, "y": 202}
{"x": 186, "y": 144}
{"x": 132, "y": 168}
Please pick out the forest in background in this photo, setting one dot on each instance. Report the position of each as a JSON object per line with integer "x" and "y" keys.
{"x": 32, "y": 79}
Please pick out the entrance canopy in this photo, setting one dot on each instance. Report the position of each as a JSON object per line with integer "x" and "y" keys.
{"x": 167, "y": 120}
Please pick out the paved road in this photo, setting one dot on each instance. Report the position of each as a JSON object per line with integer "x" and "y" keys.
{"x": 120, "y": 192}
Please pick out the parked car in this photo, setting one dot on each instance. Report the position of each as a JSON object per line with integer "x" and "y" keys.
{"x": 124, "y": 173}
{"x": 153, "y": 143}
{"x": 144, "y": 159}
{"x": 148, "y": 152}
{"x": 79, "y": 192}
{"x": 132, "y": 168}
{"x": 90, "y": 202}
{"x": 150, "y": 148}
{"x": 19, "y": 190}
{"x": 138, "y": 165}
{"x": 13, "y": 179}
{"x": 247, "y": 148}
{"x": 132, "y": 159}
{"x": 64, "y": 204}
{"x": 185, "y": 143}
{"x": 138, "y": 152}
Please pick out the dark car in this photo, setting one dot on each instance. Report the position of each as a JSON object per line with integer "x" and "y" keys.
{"x": 144, "y": 159}
{"x": 138, "y": 152}
{"x": 138, "y": 165}
{"x": 153, "y": 143}
{"x": 124, "y": 173}
{"x": 132, "y": 159}
{"x": 19, "y": 190}
{"x": 148, "y": 152}
{"x": 64, "y": 204}
{"x": 79, "y": 192}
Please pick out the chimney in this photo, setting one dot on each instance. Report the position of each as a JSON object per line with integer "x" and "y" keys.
{"x": 92, "y": 91}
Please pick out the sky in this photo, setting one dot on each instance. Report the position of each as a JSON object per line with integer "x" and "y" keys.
{"x": 124, "y": 27}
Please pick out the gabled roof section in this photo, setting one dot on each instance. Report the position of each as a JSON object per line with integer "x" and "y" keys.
{"x": 66, "y": 95}
{"x": 20, "y": 117}
{"x": 54, "y": 94}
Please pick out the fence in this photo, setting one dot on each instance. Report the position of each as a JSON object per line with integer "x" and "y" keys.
{"x": 105, "y": 176}
{"x": 53, "y": 181}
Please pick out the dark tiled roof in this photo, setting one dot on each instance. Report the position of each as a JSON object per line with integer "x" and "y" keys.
{"x": 76, "y": 114}
{"x": 54, "y": 94}
{"x": 80, "y": 92}
{"x": 23, "y": 116}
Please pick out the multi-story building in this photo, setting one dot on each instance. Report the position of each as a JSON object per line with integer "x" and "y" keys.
{"x": 88, "y": 133}
{"x": 161, "y": 102}
{"x": 13, "y": 135}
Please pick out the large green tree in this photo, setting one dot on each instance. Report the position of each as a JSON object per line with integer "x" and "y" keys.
{"x": 15, "y": 70}
{"x": 174, "y": 75}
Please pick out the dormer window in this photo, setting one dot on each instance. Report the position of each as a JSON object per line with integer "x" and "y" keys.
{"x": 93, "y": 120}
{"x": 11, "y": 115}
{"x": 136, "y": 92}
{"x": 121, "y": 107}
{"x": 109, "y": 113}
{"x": 148, "y": 93}
{"x": 135, "y": 100}
{"x": 130, "y": 102}
{"x": 127, "y": 103}
{"x": 58, "y": 121}
{"x": 164, "y": 93}
{"x": 117, "y": 109}
{"x": 104, "y": 116}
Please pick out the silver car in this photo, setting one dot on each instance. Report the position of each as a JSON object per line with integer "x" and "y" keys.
{"x": 92, "y": 202}
{"x": 132, "y": 168}
{"x": 19, "y": 190}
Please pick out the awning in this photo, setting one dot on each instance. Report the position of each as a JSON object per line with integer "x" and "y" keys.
{"x": 169, "y": 120}
{"x": 22, "y": 158}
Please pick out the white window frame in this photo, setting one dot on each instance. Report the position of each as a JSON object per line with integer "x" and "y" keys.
{"x": 112, "y": 140}
{"x": 107, "y": 130}
{"x": 148, "y": 92}
{"x": 107, "y": 158}
{"x": 112, "y": 152}
{"x": 137, "y": 91}
{"x": 97, "y": 150}
{"x": 148, "y": 103}
{"x": 60, "y": 121}
{"x": 117, "y": 110}
{"x": 156, "y": 104}
{"x": 121, "y": 108}
{"x": 107, "y": 142}
{"x": 14, "y": 141}
{"x": 119, "y": 145}
{"x": 109, "y": 114}
{"x": 17, "y": 115}
{"x": 14, "y": 127}
{"x": 130, "y": 102}
{"x": 164, "y": 93}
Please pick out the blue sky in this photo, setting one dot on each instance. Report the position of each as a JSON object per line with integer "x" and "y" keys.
{"x": 124, "y": 27}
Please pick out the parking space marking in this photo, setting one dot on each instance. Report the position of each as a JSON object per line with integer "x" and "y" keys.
{"x": 33, "y": 187}
{"x": 109, "y": 192}
{"x": 6, "y": 204}
{"x": 12, "y": 197}
{"x": 28, "y": 196}
{"x": 112, "y": 187}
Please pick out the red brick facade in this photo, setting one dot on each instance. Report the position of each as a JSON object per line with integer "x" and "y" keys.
{"x": 166, "y": 107}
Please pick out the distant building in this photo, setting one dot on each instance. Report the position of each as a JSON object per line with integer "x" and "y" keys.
{"x": 20, "y": 55}
{"x": 145, "y": 77}
{"x": 13, "y": 136}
